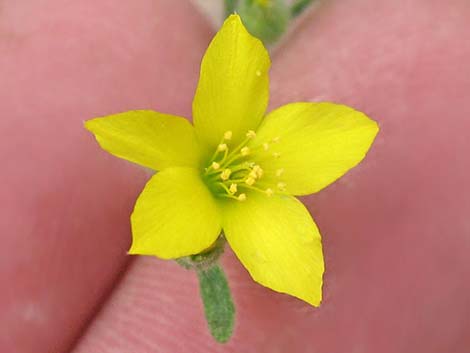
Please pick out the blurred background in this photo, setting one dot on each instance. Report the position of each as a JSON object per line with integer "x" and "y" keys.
{"x": 396, "y": 229}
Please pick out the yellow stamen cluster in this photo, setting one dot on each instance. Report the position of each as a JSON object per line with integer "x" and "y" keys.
{"x": 231, "y": 172}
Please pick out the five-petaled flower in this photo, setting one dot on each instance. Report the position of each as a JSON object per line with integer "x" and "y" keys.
{"x": 235, "y": 170}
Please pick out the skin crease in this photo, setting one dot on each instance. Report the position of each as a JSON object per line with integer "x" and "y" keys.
{"x": 395, "y": 229}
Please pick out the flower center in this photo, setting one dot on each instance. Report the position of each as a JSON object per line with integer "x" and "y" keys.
{"x": 232, "y": 171}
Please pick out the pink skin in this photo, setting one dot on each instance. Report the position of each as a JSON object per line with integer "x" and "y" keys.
{"x": 396, "y": 229}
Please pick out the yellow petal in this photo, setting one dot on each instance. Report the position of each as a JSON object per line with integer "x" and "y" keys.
{"x": 277, "y": 241}
{"x": 315, "y": 144}
{"x": 233, "y": 88}
{"x": 174, "y": 216}
{"x": 151, "y": 139}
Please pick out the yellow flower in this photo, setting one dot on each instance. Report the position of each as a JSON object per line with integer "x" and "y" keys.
{"x": 236, "y": 170}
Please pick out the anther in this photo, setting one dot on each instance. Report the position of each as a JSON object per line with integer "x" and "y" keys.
{"x": 269, "y": 192}
{"x": 228, "y": 135}
{"x": 258, "y": 73}
{"x": 225, "y": 174}
{"x": 279, "y": 172}
{"x": 222, "y": 147}
{"x": 245, "y": 151}
{"x": 215, "y": 165}
{"x": 281, "y": 186}
{"x": 276, "y": 155}
{"x": 276, "y": 139}
{"x": 233, "y": 188}
{"x": 250, "y": 181}
{"x": 258, "y": 171}
{"x": 266, "y": 146}
{"x": 251, "y": 134}
{"x": 241, "y": 197}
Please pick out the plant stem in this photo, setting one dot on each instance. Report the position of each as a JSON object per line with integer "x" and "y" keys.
{"x": 218, "y": 304}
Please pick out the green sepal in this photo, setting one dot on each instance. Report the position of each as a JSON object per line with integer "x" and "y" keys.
{"x": 299, "y": 6}
{"x": 266, "y": 20}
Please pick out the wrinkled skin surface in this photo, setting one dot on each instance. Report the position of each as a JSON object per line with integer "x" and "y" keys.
{"x": 396, "y": 229}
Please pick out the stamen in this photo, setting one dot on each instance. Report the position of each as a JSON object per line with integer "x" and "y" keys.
{"x": 251, "y": 134}
{"x": 228, "y": 135}
{"x": 276, "y": 155}
{"x": 222, "y": 147}
{"x": 250, "y": 181}
{"x": 281, "y": 186}
{"x": 279, "y": 172}
{"x": 266, "y": 146}
{"x": 241, "y": 197}
{"x": 215, "y": 165}
{"x": 276, "y": 139}
{"x": 233, "y": 188}
{"x": 258, "y": 171}
{"x": 269, "y": 192}
{"x": 225, "y": 174}
{"x": 240, "y": 167}
{"x": 225, "y": 188}
{"x": 254, "y": 188}
{"x": 233, "y": 156}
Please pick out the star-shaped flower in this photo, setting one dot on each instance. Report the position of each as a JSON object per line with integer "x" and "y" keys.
{"x": 236, "y": 170}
